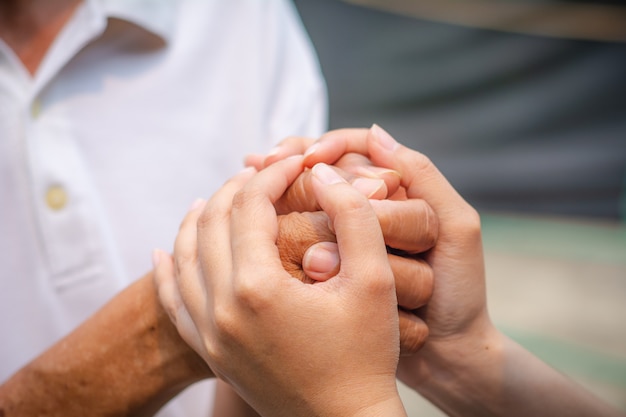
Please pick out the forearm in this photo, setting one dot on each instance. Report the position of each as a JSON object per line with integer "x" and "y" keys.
{"x": 497, "y": 377}
{"x": 127, "y": 359}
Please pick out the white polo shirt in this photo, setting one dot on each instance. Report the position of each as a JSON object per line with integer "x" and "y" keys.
{"x": 137, "y": 109}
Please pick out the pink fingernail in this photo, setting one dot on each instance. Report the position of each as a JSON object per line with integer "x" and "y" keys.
{"x": 368, "y": 186}
{"x": 384, "y": 139}
{"x": 311, "y": 150}
{"x": 156, "y": 257}
{"x": 274, "y": 151}
{"x": 197, "y": 203}
{"x": 321, "y": 260}
{"x": 326, "y": 175}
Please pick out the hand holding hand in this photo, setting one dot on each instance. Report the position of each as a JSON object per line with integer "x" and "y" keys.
{"x": 409, "y": 227}
{"x": 457, "y": 309}
{"x": 467, "y": 367}
{"x": 268, "y": 333}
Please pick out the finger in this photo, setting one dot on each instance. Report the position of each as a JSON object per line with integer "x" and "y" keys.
{"x": 165, "y": 282}
{"x": 186, "y": 243}
{"x": 459, "y": 223}
{"x": 413, "y": 277}
{"x": 354, "y": 222}
{"x": 293, "y": 145}
{"x": 414, "y": 281}
{"x": 419, "y": 176}
{"x": 321, "y": 261}
{"x": 254, "y": 160}
{"x": 336, "y": 143}
{"x": 360, "y": 166}
{"x": 413, "y": 333}
{"x": 186, "y": 267}
{"x": 169, "y": 296}
{"x": 213, "y": 232}
{"x": 253, "y": 223}
{"x": 299, "y": 196}
{"x": 408, "y": 225}
{"x": 299, "y": 235}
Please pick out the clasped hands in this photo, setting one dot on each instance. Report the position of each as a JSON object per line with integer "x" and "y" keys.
{"x": 282, "y": 285}
{"x": 327, "y": 343}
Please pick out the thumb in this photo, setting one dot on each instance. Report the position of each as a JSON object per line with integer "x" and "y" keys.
{"x": 321, "y": 261}
{"x": 420, "y": 177}
{"x": 353, "y": 219}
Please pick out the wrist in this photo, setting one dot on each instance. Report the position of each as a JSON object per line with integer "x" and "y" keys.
{"x": 463, "y": 375}
{"x": 126, "y": 359}
{"x": 391, "y": 406}
{"x": 378, "y": 397}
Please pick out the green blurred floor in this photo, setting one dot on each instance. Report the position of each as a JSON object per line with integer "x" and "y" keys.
{"x": 558, "y": 287}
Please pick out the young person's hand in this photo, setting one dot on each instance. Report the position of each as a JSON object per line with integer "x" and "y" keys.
{"x": 466, "y": 367}
{"x": 409, "y": 227}
{"x": 289, "y": 348}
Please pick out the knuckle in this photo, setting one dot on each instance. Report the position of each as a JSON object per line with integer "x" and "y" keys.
{"x": 217, "y": 353}
{"x": 384, "y": 282}
{"x": 247, "y": 291}
{"x": 184, "y": 262}
{"x": 423, "y": 162}
{"x": 413, "y": 335}
{"x": 241, "y": 198}
{"x": 298, "y": 196}
{"x": 294, "y": 229}
{"x": 210, "y": 216}
{"x": 427, "y": 281}
{"x": 352, "y": 202}
{"x": 429, "y": 228}
{"x": 470, "y": 224}
{"x": 224, "y": 321}
{"x": 418, "y": 162}
{"x": 246, "y": 197}
{"x": 414, "y": 281}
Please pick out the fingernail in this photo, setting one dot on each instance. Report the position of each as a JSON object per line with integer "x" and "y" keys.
{"x": 368, "y": 186}
{"x": 248, "y": 169}
{"x": 197, "y": 203}
{"x": 274, "y": 151}
{"x": 323, "y": 257}
{"x": 327, "y": 175}
{"x": 156, "y": 257}
{"x": 376, "y": 172}
{"x": 384, "y": 139}
{"x": 311, "y": 150}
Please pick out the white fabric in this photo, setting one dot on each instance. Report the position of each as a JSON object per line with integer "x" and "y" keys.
{"x": 138, "y": 109}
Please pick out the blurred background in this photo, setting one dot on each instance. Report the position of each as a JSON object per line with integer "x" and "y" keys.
{"x": 522, "y": 105}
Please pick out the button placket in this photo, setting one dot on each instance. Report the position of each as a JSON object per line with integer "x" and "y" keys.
{"x": 68, "y": 235}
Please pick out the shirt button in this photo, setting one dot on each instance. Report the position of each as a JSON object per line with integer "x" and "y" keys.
{"x": 35, "y": 108}
{"x": 56, "y": 197}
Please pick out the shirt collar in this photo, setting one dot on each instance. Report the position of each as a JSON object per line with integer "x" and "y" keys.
{"x": 154, "y": 16}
